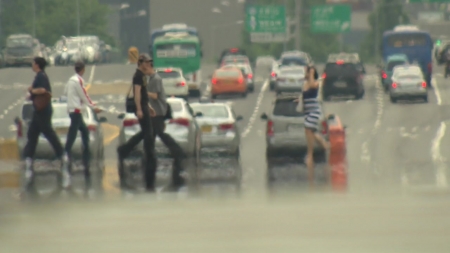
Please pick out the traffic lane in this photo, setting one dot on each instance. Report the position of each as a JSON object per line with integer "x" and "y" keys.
{"x": 112, "y": 73}
{"x": 359, "y": 116}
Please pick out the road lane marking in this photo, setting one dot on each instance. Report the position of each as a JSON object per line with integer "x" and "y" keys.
{"x": 114, "y": 133}
{"x": 91, "y": 78}
{"x": 436, "y": 91}
{"x": 438, "y": 159}
{"x": 256, "y": 110}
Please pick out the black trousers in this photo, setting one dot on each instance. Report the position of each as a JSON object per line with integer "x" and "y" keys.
{"x": 176, "y": 151}
{"x": 42, "y": 123}
{"x": 124, "y": 150}
{"x": 77, "y": 124}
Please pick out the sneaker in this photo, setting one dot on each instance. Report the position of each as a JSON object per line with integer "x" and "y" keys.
{"x": 28, "y": 174}
{"x": 66, "y": 178}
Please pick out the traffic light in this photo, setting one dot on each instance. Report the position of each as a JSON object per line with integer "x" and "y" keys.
{"x": 438, "y": 42}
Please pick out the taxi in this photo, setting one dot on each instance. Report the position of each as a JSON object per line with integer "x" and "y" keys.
{"x": 219, "y": 125}
{"x": 228, "y": 80}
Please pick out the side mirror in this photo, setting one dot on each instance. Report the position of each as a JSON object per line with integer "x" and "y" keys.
{"x": 239, "y": 118}
{"x": 121, "y": 116}
{"x": 103, "y": 120}
{"x": 198, "y": 114}
{"x": 264, "y": 116}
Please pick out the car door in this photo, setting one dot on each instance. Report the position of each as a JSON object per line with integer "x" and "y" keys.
{"x": 193, "y": 129}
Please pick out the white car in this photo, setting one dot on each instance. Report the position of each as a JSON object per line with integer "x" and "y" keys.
{"x": 174, "y": 82}
{"x": 220, "y": 129}
{"x": 290, "y": 79}
{"x": 408, "y": 82}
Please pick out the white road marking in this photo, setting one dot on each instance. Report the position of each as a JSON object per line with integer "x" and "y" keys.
{"x": 365, "y": 154}
{"x": 438, "y": 159}
{"x": 252, "y": 119}
{"x": 436, "y": 91}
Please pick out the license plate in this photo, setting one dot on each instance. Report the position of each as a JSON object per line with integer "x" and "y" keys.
{"x": 62, "y": 131}
{"x": 295, "y": 128}
{"x": 206, "y": 129}
{"x": 340, "y": 84}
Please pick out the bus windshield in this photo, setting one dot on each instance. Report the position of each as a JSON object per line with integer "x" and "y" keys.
{"x": 181, "y": 50}
{"x": 407, "y": 40}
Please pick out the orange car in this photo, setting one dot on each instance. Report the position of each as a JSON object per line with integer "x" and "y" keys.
{"x": 228, "y": 80}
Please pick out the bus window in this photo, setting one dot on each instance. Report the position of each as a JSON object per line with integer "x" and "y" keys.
{"x": 401, "y": 40}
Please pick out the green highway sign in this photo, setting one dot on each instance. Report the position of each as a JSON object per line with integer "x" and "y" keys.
{"x": 334, "y": 18}
{"x": 266, "y": 18}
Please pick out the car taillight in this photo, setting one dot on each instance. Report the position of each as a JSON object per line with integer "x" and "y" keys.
{"x": 324, "y": 127}
{"x": 424, "y": 84}
{"x": 180, "y": 121}
{"x": 324, "y": 76}
{"x": 270, "y": 128}
{"x": 273, "y": 74}
{"x": 225, "y": 127}
{"x": 250, "y": 76}
{"x": 384, "y": 75}
{"x": 394, "y": 85}
{"x": 92, "y": 128}
{"x": 130, "y": 122}
{"x": 182, "y": 84}
{"x": 214, "y": 81}
{"x": 241, "y": 80}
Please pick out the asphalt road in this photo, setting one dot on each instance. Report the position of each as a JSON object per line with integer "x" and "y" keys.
{"x": 393, "y": 150}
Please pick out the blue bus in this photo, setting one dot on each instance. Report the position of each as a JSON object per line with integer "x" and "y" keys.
{"x": 417, "y": 45}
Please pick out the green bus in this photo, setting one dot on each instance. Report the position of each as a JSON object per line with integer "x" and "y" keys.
{"x": 180, "y": 50}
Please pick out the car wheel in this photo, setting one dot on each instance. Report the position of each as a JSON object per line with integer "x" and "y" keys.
{"x": 425, "y": 99}
{"x": 244, "y": 94}
{"x": 213, "y": 96}
{"x": 271, "y": 86}
{"x": 393, "y": 100}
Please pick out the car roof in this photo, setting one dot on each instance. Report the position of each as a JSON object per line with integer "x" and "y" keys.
{"x": 228, "y": 67}
{"x": 210, "y": 103}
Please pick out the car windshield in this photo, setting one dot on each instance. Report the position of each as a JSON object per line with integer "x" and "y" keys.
{"x": 19, "y": 42}
{"x": 169, "y": 74}
{"x": 227, "y": 73}
{"x": 392, "y": 64}
{"x": 176, "y": 106}
{"x": 286, "y": 108}
{"x": 215, "y": 111}
{"x": 293, "y": 61}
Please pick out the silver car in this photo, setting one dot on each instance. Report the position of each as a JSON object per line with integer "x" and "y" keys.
{"x": 290, "y": 79}
{"x": 183, "y": 128}
{"x": 174, "y": 82}
{"x": 61, "y": 123}
{"x": 285, "y": 131}
{"x": 408, "y": 82}
{"x": 220, "y": 128}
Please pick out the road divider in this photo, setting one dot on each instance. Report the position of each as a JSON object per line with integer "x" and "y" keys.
{"x": 10, "y": 159}
{"x": 337, "y": 160}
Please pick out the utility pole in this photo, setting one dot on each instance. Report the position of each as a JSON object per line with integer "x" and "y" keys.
{"x": 78, "y": 17}
{"x": 298, "y": 23}
{"x": 377, "y": 28}
{"x": 288, "y": 27}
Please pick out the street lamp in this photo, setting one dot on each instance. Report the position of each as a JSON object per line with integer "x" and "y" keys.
{"x": 78, "y": 18}
{"x": 213, "y": 33}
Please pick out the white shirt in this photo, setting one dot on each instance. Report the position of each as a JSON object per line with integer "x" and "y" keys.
{"x": 76, "y": 94}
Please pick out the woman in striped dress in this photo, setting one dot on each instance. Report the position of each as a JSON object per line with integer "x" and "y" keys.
{"x": 313, "y": 113}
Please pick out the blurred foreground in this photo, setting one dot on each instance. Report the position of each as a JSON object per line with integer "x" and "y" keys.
{"x": 310, "y": 222}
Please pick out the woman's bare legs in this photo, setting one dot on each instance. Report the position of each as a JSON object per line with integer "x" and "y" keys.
{"x": 319, "y": 138}
{"x": 310, "y": 139}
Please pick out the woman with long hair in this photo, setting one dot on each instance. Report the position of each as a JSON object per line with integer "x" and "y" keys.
{"x": 312, "y": 114}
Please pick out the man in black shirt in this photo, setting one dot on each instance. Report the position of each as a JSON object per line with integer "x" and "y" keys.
{"x": 143, "y": 112}
{"x": 41, "y": 121}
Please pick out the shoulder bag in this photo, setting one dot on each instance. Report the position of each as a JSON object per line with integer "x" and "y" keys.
{"x": 41, "y": 101}
{"x": 168, "y": 112}
{"x": 130, "y": 105}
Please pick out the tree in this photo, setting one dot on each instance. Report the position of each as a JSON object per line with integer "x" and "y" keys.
{"x": 55, "y": 18}
{"x": 385, "y": 16}
{"x": 317, "y": 45}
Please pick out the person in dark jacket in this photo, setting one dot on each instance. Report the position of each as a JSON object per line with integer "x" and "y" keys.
{"x": 143, "y": 113}
{"x": 41, "y": 122}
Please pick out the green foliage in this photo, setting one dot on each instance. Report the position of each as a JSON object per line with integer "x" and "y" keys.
{"x": 317, "y": 45}
{"x": 386, "y": 16}
{"x": 55, "y": 18}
